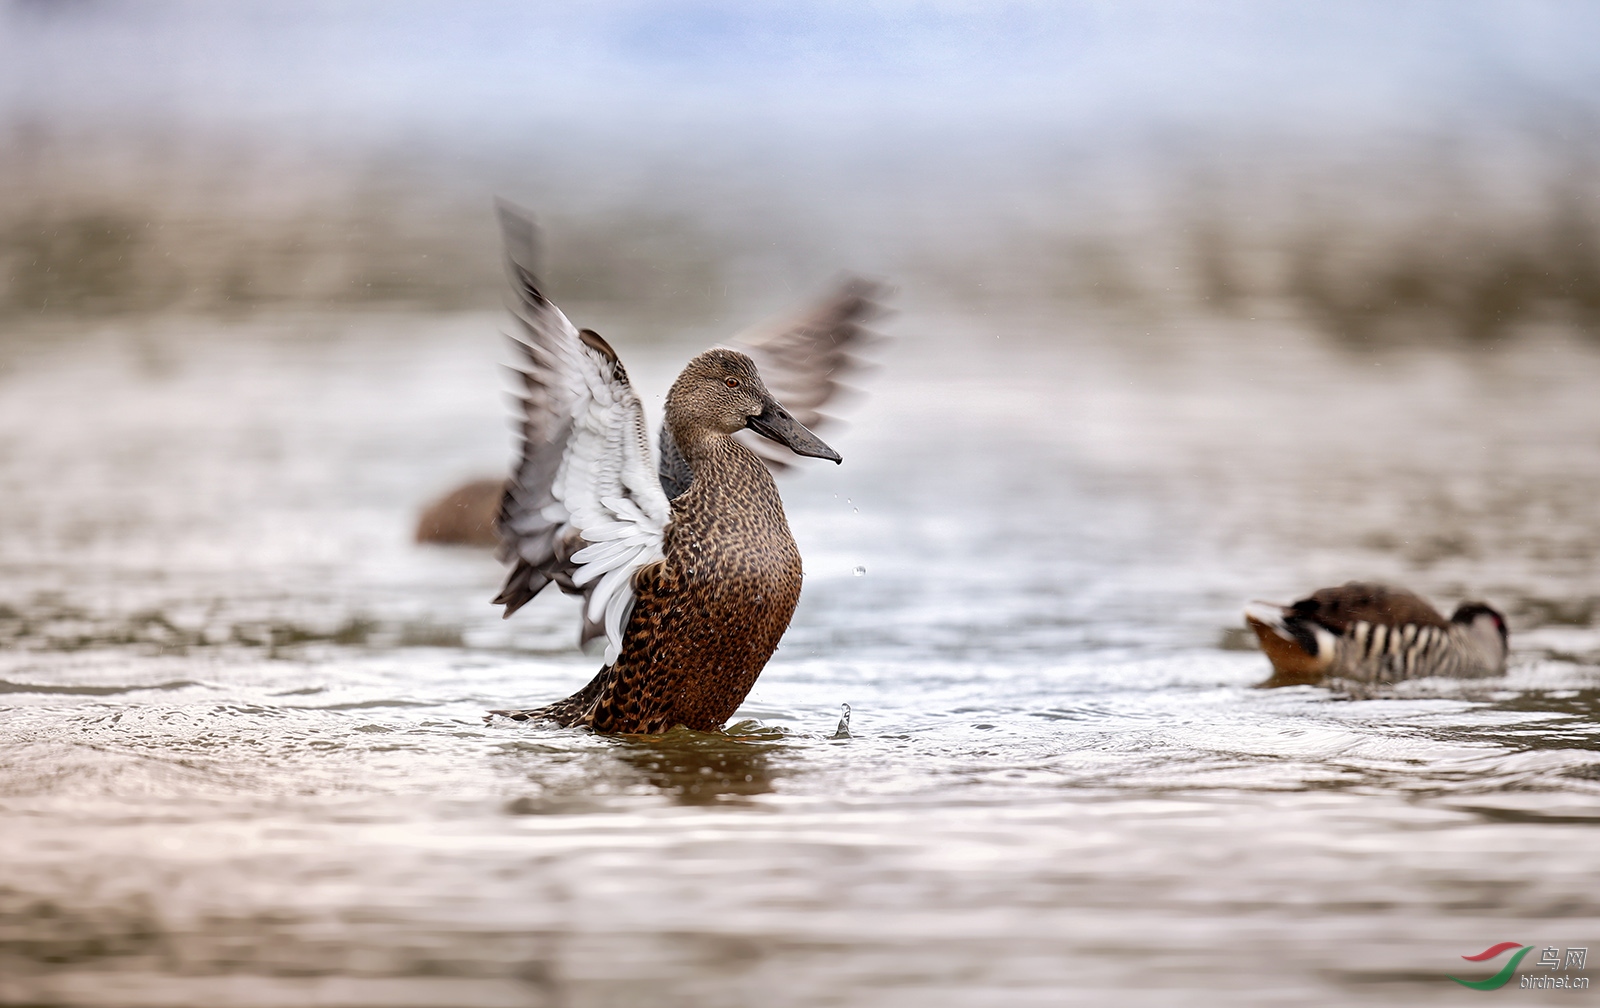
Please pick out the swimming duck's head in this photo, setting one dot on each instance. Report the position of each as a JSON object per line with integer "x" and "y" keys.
{"x": 721, "y": 390}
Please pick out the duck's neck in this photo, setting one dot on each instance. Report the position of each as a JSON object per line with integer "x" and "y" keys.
{"x": 723, "y": 469}
{"x": 711, "y": 453}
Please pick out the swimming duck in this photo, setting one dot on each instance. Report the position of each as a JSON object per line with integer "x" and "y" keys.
{"x": 802, "y": 360}
{"x": 1375, "y": 633}
{"x": 465, "y": 516}
{"x": 688, "y": 570}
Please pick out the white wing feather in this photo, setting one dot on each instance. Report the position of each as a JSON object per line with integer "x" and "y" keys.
{"x": 600, "y": 515}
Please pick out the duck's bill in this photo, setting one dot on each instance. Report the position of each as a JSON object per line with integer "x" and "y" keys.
{"x": 775, "y": 424}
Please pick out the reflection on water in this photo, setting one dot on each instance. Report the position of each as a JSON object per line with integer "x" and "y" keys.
{"x": 689, "y": 767}
{"x": 243, "y": 759}
{"x": 698, "y": 769}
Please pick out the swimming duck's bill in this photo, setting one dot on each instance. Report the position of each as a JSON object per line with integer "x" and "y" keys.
{"x": 775, "y": 424}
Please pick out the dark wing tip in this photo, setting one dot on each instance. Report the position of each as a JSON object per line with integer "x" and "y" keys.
{"x": 867, "y": 296}
{"x": 519, "y": 232}
{"x": 524, "y": 582}
{"x": 521, "y": 238}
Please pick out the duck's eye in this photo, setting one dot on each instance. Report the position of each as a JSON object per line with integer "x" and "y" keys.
{"x": 731, "y": 382}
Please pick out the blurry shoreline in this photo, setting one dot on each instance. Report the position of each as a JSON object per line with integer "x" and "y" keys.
{"x": 1463, "y": 240}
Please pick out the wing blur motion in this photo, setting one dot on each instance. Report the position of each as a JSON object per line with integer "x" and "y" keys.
{"x": 584, "y": 506}
{"x": 803, "y": 361}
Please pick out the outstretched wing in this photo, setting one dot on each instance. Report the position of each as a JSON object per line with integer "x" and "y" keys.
{"x": 803, "y": 362}
{"x": 584, "y": 507}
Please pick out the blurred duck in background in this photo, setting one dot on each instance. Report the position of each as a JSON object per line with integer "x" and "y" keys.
{"x": 686, "y": 565}
{"x": 465, "y": 516}
{"x": 1374, "y": 633}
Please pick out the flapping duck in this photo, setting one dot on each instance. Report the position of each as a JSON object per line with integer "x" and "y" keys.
{"x": 803, "y": 360}
{"x": 1375, "y": 633}
{"x": 686, "y": 565}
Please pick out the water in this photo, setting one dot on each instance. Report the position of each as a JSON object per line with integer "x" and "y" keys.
{"x": 242, "y": 760}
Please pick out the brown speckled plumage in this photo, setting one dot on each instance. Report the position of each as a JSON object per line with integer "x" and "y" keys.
{"x": 709, "y": 615}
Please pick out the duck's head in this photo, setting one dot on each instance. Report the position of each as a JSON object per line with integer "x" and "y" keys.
{"x": 720, "y": 390}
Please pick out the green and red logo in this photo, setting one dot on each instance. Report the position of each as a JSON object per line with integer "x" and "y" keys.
{"x": 1501, "y": 978}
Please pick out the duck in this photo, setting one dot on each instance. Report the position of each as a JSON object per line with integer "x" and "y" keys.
{"x": 684, "y": 558}
{"x": 1375, "y": 633}
{"x": 466, "y": 515}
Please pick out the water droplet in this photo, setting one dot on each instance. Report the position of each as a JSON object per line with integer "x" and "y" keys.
{"x": 843, "y": 731}
{"x": 856, "y": 510}
{"x": 860, "y": 571}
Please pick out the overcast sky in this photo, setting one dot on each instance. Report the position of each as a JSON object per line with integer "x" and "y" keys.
{"x": 484, "y": 65}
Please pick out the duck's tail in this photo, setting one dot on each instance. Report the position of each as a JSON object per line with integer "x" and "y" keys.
{"x": 1268, "y": 615}
{"x": 1300, "y": 651}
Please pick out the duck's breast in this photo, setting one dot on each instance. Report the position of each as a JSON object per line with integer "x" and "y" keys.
{"x": 735, "y": 568}
{"x": 714, "y": 610}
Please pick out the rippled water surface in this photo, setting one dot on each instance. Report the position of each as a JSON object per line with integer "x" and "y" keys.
{"x": 242, "y": 759}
